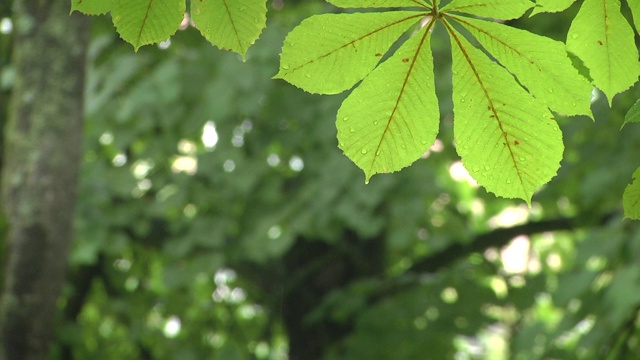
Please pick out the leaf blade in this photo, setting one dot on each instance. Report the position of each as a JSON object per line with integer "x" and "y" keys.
{"x": 385, "y": 131}
{"x": 633, "y": 115}
{"x": 540, "y": 64}
{"x": 331, "y": 61}
{"x": 506, "y": 149}
{"x": 634, "y": 5}
{"x": 604, "y": 40}
{"x": 147, "y": 21}
{"x": 377, "y": 3}
{"x": 232, "y": 25}
{"x": 495, "y": 9}
{"x": 631, "y": 197}
{"x": 550, "y": 6}
{"x": 91, "y": 7}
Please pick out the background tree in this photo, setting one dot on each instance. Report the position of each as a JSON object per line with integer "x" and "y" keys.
{"x": 41, "y": 157}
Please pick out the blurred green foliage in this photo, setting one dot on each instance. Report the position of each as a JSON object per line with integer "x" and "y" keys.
{"x": 246, "y": 243}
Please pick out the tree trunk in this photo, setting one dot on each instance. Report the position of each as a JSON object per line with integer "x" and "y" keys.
{"x": 42, "y": 152}
{"x": 318, "y": 268}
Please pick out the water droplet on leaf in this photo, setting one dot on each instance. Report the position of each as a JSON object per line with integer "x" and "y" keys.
{"x": 363, "y": 151}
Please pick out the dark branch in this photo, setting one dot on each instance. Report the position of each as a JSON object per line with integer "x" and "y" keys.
{"x": 497, "y": 238}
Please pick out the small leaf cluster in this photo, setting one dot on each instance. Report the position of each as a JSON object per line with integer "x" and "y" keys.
{"x": 228, "y": 24}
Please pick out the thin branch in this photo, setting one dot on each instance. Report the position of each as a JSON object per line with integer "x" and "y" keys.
{"x": 495, "y": 238}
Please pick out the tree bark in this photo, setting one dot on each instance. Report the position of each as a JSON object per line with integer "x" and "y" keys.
{"x": 42, "y": 152}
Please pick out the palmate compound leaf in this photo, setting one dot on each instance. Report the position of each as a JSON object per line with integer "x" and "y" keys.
{"x": 508, "y": 141}
{"x": 495, "y": 9}
{"x": 91, "y": 7}
{"x": 380, "y": 3}
{"x": 603, "y": 39}
{"x": 230, "y": 24}
{"x": 631, "y": 197}
{"x": 392, "y": 118}
{"x": 540, "y": 64}
{"x": 329, "y": 53}
{"x": 551, "y": 6}
{"x": 144, "y": 22}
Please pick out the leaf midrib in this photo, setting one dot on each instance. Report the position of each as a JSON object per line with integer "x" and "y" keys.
{"x": 402, "y": 92}
{"x": 454, "y": 34}
{"x": 351, "y": 43}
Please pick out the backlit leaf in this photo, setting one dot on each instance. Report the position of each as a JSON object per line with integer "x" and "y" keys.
{"x": 541, "y": 65}
{"x": 329, "y": 53}
{"x": 508, "y": 141}
{"x": 631, "y": 197}
{"x": 633, "y": 116}
{"x": 634, "y": 5}
{"x": 145, "y": 22}
{"x": 91, "y": 7}
{"x": 230, "y": 24}
{"x": 379, "y": 3}
{"x": 551, "y": 6}
{"x": 391, "y": 119}
{"x": 496, "y": 9}
{"x": 604, "y": 40}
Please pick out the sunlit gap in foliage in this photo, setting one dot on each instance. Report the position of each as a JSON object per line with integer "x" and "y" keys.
{"x": 224, "y": 292}
{"x": 209, "y": 135}
{"x": 274, "y": 232}
{"x": 273, "y": 160}
{"x": 186, "y": 162}
{"x": 240, "y": 131}
{"x": 449, "y": 295}
{"x": 437, "y": 147}
{"x": 6, "y": 26}
{"x": 172, "y": 327}
{"x": 296, "y": 164}
{"x": 140, "y": 169}
{"x": 119, "y": 160}
{"x": 460, "y": 174}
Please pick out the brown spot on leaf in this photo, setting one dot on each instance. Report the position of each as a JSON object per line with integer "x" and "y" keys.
{"x": 405, "y": 60}
{"x": 516, "y": 142}
{"x": 599, "y": 42}
{"x": 378, "y": 54}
